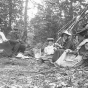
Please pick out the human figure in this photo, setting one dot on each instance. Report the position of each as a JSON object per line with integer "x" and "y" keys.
{"x": 82, "y": 47}
{"x": 66, "y": 44}
{"x": 2, "y": 37}
{"x": 48, "y": 50}
{"x": 4, "y": 44}
{"x": 82, "y": 35}
{"x": 83, "y": 51}
{"x": 73, "y": 58}
{"x": 17, "y": 44}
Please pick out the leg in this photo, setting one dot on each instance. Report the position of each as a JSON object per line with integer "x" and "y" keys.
{"x": 85, "y": 62}
{"x": 21, "y": 48}
{"x": 57, "y": 54}
{"x": 16, "y": 48}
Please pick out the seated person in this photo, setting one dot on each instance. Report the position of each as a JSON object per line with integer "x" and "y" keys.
{"x": 69, "y": 59}
{"x": 2, "y": 37}
{"x": 10, "y": 46}
{"x": 49, "y": 49}
{"x": 83, "y": 51}
{"x": 74, "y": 60}
{"x": 4, "y": 45}
{"x": 66, "y": 43}
{"x": 82, "y": 35}
{"x": 16, "y": 43}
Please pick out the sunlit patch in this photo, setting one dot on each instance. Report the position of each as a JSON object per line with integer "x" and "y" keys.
{"x": 32, "y": 8}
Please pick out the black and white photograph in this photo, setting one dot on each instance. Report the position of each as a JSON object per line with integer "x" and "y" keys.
{"x": 43, "y": 43}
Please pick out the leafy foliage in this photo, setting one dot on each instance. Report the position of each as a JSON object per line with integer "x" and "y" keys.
{"x": 11, "y": 12}
{"x": 53, "y": 16}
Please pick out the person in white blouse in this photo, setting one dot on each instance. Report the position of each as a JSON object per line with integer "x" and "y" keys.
{"x": 2, "y": 37}
{"x": 49, "y": 49}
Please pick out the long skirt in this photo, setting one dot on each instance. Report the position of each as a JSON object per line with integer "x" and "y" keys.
{"x": 68, "y": 60}
{"x": 57, "y": 54}
{"x": 6, "y": 47}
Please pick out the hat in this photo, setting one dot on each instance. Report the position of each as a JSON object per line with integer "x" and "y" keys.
{"x": 50, "y": 39}
{"x": 80, "y": 34}
{"x": 66, "y": 32}
{"x": 16, "y": 29}
{"x": 83, "y": 32}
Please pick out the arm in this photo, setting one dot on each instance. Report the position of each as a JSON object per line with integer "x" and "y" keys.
{"x": 58, "y": 45}
{"x": 82, "y": 43}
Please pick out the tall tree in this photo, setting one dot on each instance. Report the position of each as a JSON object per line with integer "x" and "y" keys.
{"x": 25, "y": 22}
{"x": 53, "y": 16}
{"x": 10, "y": 12}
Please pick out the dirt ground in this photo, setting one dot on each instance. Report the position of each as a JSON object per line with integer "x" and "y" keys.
{"x": 28, "y": 73}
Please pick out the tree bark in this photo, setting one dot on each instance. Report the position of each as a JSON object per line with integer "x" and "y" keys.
{"x": 10, "y": 13}
{"x": 25, "y": 22}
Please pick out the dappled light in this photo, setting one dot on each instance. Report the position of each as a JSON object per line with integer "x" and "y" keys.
{"x": 43, "y": 43}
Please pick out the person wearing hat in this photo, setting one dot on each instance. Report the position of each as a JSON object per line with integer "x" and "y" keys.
{"x": 14, "y": 35}
{"x": 66, "y": 43}
{"x": 83, "y": 32}
{"x": 18, "y": 46}
{"x": 49, "y": 49}
{"x": 83, "y": 51}
{"x": 75, "y": 58}
{"x": 82, "y": 35}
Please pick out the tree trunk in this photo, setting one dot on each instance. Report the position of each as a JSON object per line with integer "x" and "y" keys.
{"x": 25, "y": 22}
{"x": 10, "y": 12}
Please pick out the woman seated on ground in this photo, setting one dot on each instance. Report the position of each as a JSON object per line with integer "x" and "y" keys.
{"x": 83, "y": 51}
{"x": 68, "y": 59}
{"x": 47, "y": 53}
{"x": 5, "y": 47}
{"x": 66, "y": 43}
{"x": 48, "y": 50}
{"x": 72, "y": 60}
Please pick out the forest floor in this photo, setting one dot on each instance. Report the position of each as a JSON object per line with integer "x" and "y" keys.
{"x": 28, "y": 73}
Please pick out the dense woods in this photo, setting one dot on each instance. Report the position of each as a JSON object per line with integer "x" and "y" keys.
{"x": 50, "y": 17}
{"x": 24, "y": 62}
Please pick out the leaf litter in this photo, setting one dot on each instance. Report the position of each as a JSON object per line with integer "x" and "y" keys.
{"x": 34, "y": 75}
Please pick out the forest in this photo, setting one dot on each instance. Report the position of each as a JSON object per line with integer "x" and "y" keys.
{"x": 50, "y": 17}
{"x": 36, "y": 21}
